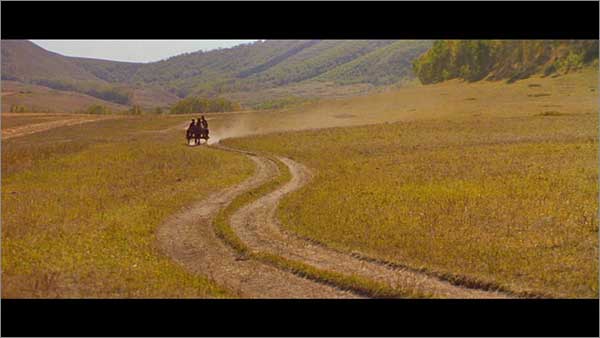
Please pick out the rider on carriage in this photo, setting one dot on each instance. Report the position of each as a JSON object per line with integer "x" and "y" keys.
{"x": 203, "y": 127}
{"x": 197, "y": 130}
{"x": 189, "y": 134}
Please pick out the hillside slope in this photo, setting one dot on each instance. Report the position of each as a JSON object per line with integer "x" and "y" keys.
{"x": 106, "y": 81}
{"x": 33, "y": 98}
{"x": 25, "y": 61}
{"x": 272, "y": 63}
{"x": 383, "y": 66}
{"x": 512, "y": 60}
{"x": 245, "y": 68}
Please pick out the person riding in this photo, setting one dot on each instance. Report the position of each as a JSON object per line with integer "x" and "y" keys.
{"x": 190, "y": 130}
{"x": 204, "y": 126}
{"x": 197, "y": 132}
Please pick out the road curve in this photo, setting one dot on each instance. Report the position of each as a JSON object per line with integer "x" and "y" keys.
{"x": 190, "y": 239}
{"x": 258, "y": 227}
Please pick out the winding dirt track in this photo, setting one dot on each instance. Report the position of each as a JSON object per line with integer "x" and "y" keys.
{"x": 190, "y": 239}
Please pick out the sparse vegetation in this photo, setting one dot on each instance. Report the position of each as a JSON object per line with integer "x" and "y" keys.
{"x": 103, "y": 92}
{"x": 97, "y": 109}
{"x": 17, "y": 109}
{"x": 552, "y": 113}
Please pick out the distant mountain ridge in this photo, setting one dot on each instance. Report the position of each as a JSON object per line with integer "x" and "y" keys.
{"x": 247, "y": 67}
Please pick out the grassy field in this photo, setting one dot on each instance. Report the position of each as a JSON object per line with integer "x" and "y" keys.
{"x": 15, "y": 120}
{"x": 80, "y": 206}
{"x": 573, "y": 93}
{"x": 485, "y": 181}
{"x": 489, "y": 182}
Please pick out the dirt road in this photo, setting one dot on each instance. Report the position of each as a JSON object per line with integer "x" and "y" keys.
{"x": 43, "y": 126}
{"x": 190, "y": 239}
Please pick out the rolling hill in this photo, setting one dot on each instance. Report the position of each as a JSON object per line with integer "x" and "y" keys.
{"x": 238, "y": 71}
{"x": 283, "y": 70}
{"x": 26, "y": 62}
{"x": 85, "y": 81}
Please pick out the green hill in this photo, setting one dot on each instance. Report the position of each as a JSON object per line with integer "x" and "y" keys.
{"x": 512, "y": 60}
{"x": 268, "y": 64}
{"x": 245, "y": 68}
{"x": 383, "y": 66}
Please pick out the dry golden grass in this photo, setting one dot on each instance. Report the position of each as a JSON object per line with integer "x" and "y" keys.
{"x": 80, "y": 206}
{"x": 307, "y": 90}
{"x": 479, "y": 182}
{"x": 18, "y": 120}
{"x": 574, "y": 93}
{"x": 491, "y": 181}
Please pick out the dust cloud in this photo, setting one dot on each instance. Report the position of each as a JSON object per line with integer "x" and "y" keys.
{"x": 230, "y": 127}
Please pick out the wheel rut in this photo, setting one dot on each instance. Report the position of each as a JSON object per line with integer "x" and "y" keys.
{"x": 189, "y": 238}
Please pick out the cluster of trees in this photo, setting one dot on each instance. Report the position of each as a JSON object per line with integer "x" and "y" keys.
{"x": 193, "y": 105}
{"x": 135, "y": 110}
{"x": 15, "y": 108}
{"x": 99, "y": 109}
{"x": 110, "y": 94}
{"x": 474, "y": 60}
{"x": 466, "y": 59}
{"x": 106, "y": 93}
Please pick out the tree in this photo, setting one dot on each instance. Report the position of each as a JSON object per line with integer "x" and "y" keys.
{"x": 135, "y": 110}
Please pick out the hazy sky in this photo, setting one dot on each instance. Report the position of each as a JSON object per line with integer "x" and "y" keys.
{"x": 132, "y": 50}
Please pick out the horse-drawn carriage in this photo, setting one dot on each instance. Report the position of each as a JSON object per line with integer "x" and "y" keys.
{"x": 197, "y": 132}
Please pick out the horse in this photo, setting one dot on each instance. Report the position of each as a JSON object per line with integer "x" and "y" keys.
{"x": 192, "y": 133}
{"x": 197, "y": 134}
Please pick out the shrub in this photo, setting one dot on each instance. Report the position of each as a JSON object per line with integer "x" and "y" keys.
{"x": 98, "y": 110}
{"x": 193, "y": 105}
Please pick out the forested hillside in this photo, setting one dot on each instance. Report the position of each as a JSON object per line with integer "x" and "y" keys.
{"x": 512, "y": 60}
